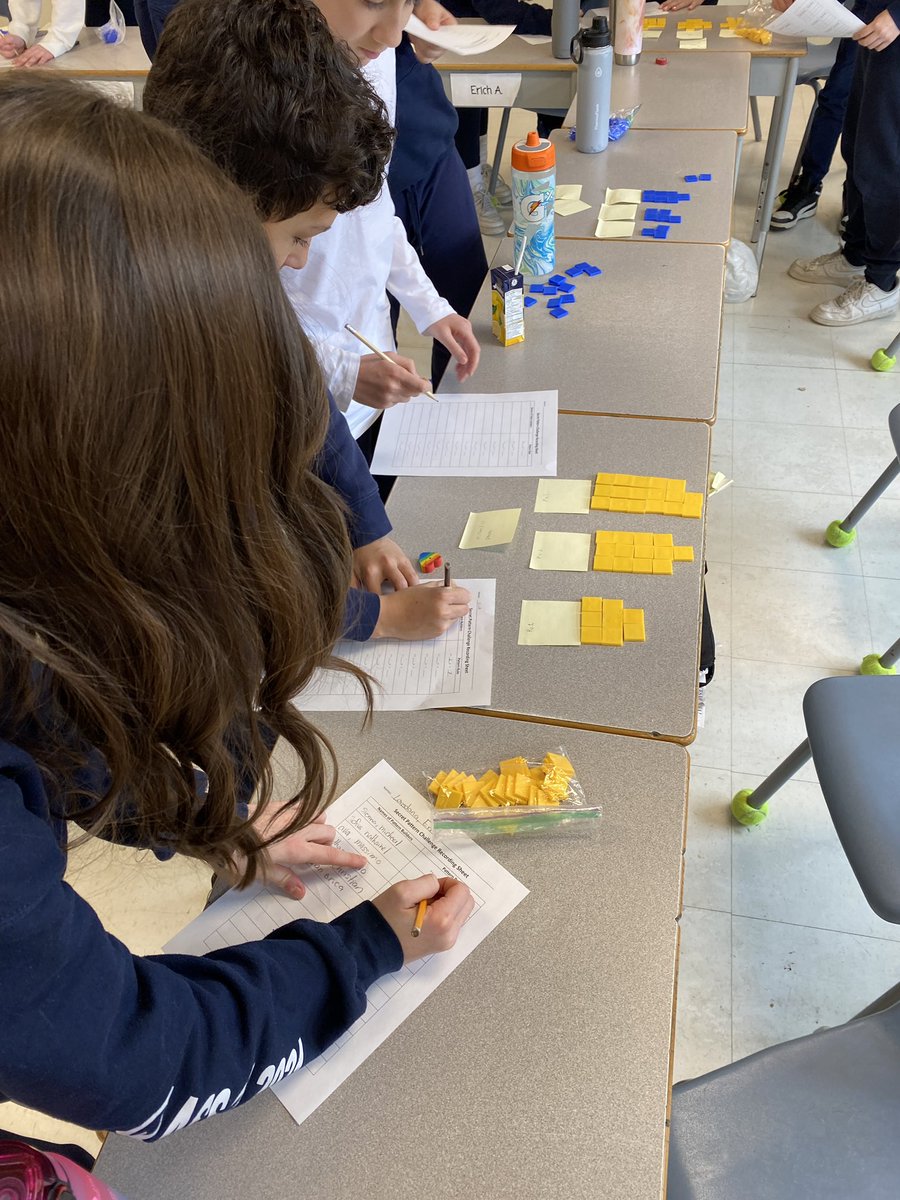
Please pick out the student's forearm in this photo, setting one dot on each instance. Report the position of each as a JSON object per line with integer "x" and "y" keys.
{"x": 411, "y": 287}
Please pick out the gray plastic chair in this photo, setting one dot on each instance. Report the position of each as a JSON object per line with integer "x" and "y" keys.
{"x": 853, "y": 727}
{"x": 817, "y": 1118}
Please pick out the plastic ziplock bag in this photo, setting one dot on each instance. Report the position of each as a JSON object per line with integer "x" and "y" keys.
{"x": 620, "y": 122}
{"x": 113, "y": 31}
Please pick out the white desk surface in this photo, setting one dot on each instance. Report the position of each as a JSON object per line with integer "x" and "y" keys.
{"x": 689, "y": 92}
{"x": 645, "y": 688}
{"x": 539, "y": 1069}
{"x": 630, "y": 345}
{"x": 656, "y": 160}
{"x": 92, "y": 59}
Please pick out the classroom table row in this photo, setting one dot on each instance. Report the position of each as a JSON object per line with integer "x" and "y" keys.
{"x": 540, "y": 1067}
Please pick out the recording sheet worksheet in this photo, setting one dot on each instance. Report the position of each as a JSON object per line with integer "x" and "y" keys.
{"x": 454, "y": 669}
{"x": 510, "y": 433}
{"x": 388, "y": 821}
{"x": 461, "y": 39}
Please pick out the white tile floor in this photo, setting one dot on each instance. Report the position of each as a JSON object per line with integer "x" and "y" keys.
{"x": 776, "y": 936}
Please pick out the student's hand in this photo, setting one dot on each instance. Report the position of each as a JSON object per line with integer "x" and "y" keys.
{"x": 311, "y": 845}
{"x": 456, "y": 333}
{"x": 420, "y": 613}
{"x": 782, "y": 5}
{"x": 878, "y": 34}
{"x": 11, "y": 46}
{"x": 380, "y": 562}
{"x": 37, "y": 56}
{"x": 679, "y": 5}
{"x": 450, "y": 908}
{"x": 433, "y": 15}
{"x": 382, "y": 385}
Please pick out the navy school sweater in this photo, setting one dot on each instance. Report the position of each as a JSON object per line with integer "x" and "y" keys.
{"x": 341, "y": 465}
{"x": 93, "y": 1034}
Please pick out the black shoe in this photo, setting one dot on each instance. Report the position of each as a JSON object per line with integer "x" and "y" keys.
{"x": 795, "y": 203}
{"x": 842, "y": 225}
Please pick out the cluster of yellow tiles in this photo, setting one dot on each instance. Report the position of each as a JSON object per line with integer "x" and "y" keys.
{"x": 654, "y": 22}
{"x": 610, "y": 623}
{"x": 696, "y": 23}
{"x": 645, "y": 494}
{"x": 639, "y": 553}
{"x": 515, "y": 783}
{"x": 762, "y": 36}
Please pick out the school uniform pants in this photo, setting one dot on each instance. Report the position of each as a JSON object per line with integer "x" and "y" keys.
{"x": 829, "y": 119}
{"x": 871, "y": 150}
{"x": 439, "y": 216}
{"x": 150, "y": 17}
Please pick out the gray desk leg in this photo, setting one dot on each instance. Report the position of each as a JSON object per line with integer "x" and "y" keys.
{"x": 498, "y": 150}
{"x": 768, "y": 184}
{"x": 737, "y": 160}
{"x": 138, "y": 93}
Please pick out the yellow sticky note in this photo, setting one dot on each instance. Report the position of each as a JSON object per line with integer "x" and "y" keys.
{"x": 550, "y": 623}
{"x": 652, "y": 34}
{"x": 568, "y": 208}
{"x": 568, "y": 191}
{"x": 561, "y": 551}
{"x": 699, "y": 44}
{"x": 726, "y": 33}
{"x": 494, "y": 528}
{"x": 622, "y": 196}
{"x": 614, "y": 229}
{"x": 563, "y": 496}
{"x": 688, "y": 35}
{"x": 618, "y": 212}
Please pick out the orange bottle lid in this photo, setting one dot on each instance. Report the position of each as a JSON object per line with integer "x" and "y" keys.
{"x": 534, "y": 154}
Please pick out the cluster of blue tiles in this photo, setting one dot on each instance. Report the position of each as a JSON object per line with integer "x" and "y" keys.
{"x": 559, "y": 290}
{"x": 664, "y": 197}
{"x": 665, "y": 216}
{"x": 698, "y": 178}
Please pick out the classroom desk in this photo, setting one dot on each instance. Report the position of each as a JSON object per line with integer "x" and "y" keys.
{"x": 773, "y": 72}
{"x": 630, "y": 347}
{"x": 684, "y": 94}
{"x": 91, "y": 59}
{"x": 539, "y": 1069}
{"x": 657, "y": 160}
{"x": 647, "y": 689}
{"x": 548, "y": 83}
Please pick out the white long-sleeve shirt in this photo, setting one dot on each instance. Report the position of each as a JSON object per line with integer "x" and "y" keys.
{"x": 350, "y": 266}
{"x": 66, "y": 23}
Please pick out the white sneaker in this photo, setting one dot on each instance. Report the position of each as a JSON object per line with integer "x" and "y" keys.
{"x": 827, "y": 268}
{"x": 490, "y": 222}
{"x": 501, "y": 192}
{"x": 862, "y": 301}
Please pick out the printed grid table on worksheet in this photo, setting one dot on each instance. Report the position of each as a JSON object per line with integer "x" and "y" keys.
{"x": 399, "y": 668}
{"x": 499, "y": 434}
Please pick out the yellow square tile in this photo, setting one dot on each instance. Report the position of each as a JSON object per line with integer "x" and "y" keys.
{"x": 693, "y": 504}
{"x": 656, "y": 508}
{"x": 591, "y": 637}
{"x": 634, "y": 625}
{"x": 675, "y": 489}
{"x": 662, "y": 539}
{"x": 623, "y": 538}
{"x": 591, "y": 619}
{"x": 664, "y": 553}
{"x": 672, "y": 508}
{"x": 657, "y": 481}
{"x": 623, "y": 550}
{"x": 662, "y": 567}
{"x": 623, "y": 564}
{"x": 643, "y": 539}
{"x": 604, "y": 563}
{"x": 619, "y": 505}
{"x": 620, "y": 491}
{"x": 605, "y": 535}
{"x": 622, "y": 480}
{"x": 592, "y": 604}
{"x": 635, "y": 506}
{"x": 656, "y": 493}
{"x": 604, "y": 477}
{"x": 600, "y": 503}
{"x": 684, "y": 553}
{"x": 613, "y": 610}
{"x": 614, "y": 637}
{"x": 643, "y": 552}
{"x": 643, "y": 566}
{"x": 602, "y": 489}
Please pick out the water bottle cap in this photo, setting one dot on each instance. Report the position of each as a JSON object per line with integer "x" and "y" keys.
{"x": 534, "y": 154}
{"x": 597, "y": 35}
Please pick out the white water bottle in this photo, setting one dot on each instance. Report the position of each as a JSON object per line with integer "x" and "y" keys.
{"x": 534, "y": 192}
{"x": 564, "y": 22}
{"x": 592, "y": 51}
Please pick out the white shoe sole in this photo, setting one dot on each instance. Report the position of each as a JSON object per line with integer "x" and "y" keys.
{"x": 838, "y": 279}
{"x": 836, "y": 322}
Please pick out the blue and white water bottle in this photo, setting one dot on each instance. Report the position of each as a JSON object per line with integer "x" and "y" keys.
{"x": 534, "y": 194}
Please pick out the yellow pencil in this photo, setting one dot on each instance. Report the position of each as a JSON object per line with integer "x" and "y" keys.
{"x": 420, "y": 918}
{"x": 381, "y": 354}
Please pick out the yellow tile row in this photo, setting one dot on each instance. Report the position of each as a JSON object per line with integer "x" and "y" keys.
{"x": 645, "y": 494}
{"x": 695, "y": 23}
{"x": 654, "y": 22}
{"x": 610, "y": 623}
{"x": 638, "y": 553}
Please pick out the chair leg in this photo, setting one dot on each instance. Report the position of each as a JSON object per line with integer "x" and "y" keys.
{"x": 751, "y": 805}
{"x": 886, "y": 360}
{"x": 885, "y": 664}
{"x": 754, "y": 113}
{"x": 842, "y": 533}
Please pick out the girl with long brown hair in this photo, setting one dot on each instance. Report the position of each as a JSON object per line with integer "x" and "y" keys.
{"x": 171, "y": 575}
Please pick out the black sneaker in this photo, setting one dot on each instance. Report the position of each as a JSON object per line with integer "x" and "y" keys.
{"x": 795, "y": 203}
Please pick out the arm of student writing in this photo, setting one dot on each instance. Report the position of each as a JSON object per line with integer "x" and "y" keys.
{"x": 24, "y": 18}
{"x": 66, "y": 22}
{"x": 93, "y": 1034}
{"x": 342, "y": 466}
{"x": 409, "y": 284}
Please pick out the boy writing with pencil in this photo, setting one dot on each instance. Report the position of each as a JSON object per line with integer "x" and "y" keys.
{"x": 266, "y": 92}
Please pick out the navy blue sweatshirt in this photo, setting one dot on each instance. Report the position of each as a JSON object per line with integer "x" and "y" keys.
{"x": 528, "y": 18}
{"x": 95, "y": 1035}
{"x": 341, "y": 465}
{"x": 426, "y": 121}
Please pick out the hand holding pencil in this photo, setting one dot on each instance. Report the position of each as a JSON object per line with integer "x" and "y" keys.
{"x": 447, "y": 906}
{"x": 386, "y": 379}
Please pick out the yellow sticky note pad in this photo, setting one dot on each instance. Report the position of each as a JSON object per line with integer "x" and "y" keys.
{"x": 569, "y": 208}
{"x": 699, "y": 44}
{"x": 563, "y": 496}
{"x": 650, "y": 35}
{"x": 618, "y": 212}
{"x": 560, "y": 551}
{"x": 494, "y": 528}
{"x": 568, "y": 191}
{"x": 550, "y": 623}
{"x": 622, "y": 196}
{"x": 614, "y": 229}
